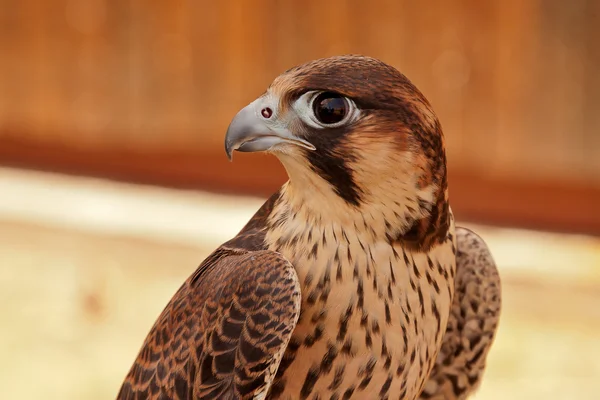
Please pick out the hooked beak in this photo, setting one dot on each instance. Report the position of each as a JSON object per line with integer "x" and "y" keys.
{"x": 250, "y": 132}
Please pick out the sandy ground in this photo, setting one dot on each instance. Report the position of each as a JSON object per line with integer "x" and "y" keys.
{"x": 86, "y": 266}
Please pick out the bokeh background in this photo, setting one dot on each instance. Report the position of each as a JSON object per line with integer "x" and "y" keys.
{"x": 114, "y": 184}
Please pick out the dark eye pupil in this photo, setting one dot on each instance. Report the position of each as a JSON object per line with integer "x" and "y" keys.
{"x": 330, "y": 108}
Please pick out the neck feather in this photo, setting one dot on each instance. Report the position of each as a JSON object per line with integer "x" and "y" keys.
{"x": 395, "y": 206}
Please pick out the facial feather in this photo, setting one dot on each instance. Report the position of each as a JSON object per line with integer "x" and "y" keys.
{"x": 390, "y": 162}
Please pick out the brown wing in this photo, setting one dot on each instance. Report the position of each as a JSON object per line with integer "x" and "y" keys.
{"x": 223, "y": 333}
{"x": 472, "y": 324}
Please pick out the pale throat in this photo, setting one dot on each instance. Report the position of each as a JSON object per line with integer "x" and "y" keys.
{"x": 390, "y": 203}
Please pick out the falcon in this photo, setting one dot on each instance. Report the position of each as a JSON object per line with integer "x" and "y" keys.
{"x": 351, "y": 281}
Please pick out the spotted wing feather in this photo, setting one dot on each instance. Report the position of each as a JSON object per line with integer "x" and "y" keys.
{"x": 472, "y": 324}
{"x": 223, "y": 333}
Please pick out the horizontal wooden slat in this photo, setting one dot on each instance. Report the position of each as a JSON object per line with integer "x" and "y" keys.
{"x": 550, "y": 205}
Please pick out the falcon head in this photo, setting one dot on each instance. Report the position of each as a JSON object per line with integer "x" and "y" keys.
{"x": 355, "y": 135}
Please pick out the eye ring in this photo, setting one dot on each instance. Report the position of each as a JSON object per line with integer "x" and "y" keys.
{"x": 330, "y": 109}
{"x": 307, "y": 109}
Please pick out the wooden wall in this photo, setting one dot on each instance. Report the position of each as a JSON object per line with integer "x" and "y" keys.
{"x": 144, "y": 90}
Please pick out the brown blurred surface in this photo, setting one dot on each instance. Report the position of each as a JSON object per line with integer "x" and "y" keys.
{"x": 92, "y": 264}
{"x": 144, "y": 91}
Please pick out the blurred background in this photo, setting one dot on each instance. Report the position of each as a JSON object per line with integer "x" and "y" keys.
{"x": 114, "y": 184}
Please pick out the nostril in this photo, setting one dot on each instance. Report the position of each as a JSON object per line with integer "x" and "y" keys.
{"x": 266, "y": 112}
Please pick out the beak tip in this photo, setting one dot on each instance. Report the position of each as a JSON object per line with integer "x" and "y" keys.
{"x": 229, "y": 153}
{"x": 229, "y": 146}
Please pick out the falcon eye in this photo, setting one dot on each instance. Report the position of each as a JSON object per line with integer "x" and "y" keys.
{"x": 330, "y": 108}
{"x": 325, "y": 109}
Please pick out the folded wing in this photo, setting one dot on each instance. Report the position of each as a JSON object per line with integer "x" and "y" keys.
{"x": 472, "y": 324}
{"x": 223, "y": 333}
